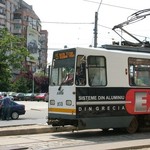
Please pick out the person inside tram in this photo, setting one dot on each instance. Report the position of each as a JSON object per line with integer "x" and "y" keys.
{"x": 132, "y": 81}
{"x": 80, "y": 75}
{"x": 69, "y": 79}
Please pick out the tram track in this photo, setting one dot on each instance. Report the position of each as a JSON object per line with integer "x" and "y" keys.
{"x": 85, "y": 139}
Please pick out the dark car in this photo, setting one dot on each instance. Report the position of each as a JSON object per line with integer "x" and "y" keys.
{"x": 29, "y": 96}
{"x": 15, "y": 110}
{"x": 19, "y": 96}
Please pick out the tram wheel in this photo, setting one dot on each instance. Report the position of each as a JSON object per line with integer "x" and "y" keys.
{"x": 105, "y": 130}
{"x": 133, "y": 127}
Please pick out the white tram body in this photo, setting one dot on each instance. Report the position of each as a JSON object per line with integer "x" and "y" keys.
{"x": 107, "y": 87}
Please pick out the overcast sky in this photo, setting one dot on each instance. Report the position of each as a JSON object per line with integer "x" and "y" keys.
{"x": 56, "y": 15}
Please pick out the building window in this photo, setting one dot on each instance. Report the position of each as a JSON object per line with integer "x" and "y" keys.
{"x": 17, "y": 16}
{"x": 17, "y": 26}
{"x": 2, "y": 1}
{"x": 2, "y": 11}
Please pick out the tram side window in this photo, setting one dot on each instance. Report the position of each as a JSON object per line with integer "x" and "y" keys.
{"x": 97, "y": 71}
{"x": 139, "y": 72}
{"x": 81, "y": 70}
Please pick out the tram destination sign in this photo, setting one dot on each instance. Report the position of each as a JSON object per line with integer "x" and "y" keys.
{"x": 64, "y": 54}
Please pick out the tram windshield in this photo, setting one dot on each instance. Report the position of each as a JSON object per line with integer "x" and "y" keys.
{"x": 63, "y": 67}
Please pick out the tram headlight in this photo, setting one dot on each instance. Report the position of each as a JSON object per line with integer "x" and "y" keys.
{"x": 68, "y": 102}
{"x": 52, "y": 102}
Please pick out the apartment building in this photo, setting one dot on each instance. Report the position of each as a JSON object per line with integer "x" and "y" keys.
{"x": 43, "y": 50}
{"x": 21, "y": 20}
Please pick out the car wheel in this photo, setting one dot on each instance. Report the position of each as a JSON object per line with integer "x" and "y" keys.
{"x": 14, "y": 115}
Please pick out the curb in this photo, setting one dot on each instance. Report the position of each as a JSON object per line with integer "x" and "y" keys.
{"x": 31, "y": 129}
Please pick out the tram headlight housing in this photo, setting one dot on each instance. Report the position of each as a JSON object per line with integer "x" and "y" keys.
{"x": 52, "y": 102}
{"x": 69, "y": 102}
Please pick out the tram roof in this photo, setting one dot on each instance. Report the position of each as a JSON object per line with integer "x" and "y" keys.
{"x": 117, "y": 49}
{"x": 126, "y": 48}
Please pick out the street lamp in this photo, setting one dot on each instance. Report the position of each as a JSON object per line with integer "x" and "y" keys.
{"x": 32, "y": 83}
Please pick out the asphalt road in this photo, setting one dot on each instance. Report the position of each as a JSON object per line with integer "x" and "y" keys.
{"x": 36, "y": 113}
{"x": 78, "y": 140}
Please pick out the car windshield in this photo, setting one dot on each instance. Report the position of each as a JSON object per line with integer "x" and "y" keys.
{"x": 41, "y": 94}
{"x": 28, "y": 94}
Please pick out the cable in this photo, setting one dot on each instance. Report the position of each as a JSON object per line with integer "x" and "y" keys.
{"x": 99, "y": 5}
{"x": 120, "y": 31}
{"x": 111, "y": 5}
{"x": 67, "y": 22}
{"x": 120, "y": 7}
{"x": 105, "y": 26}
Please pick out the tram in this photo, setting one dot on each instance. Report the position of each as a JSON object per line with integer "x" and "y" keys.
{"x": 105, "y": 87}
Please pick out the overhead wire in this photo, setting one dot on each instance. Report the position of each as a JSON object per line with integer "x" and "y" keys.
{"x": 117, "y": 7}
{"x": 67, "y": 22}
{"x": 100, "y": 3}
{"x": 112, "y": 5}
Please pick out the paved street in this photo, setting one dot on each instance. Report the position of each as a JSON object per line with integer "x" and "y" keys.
{"x": 78, "y": 140}
{"x": 36, "y": 113}
{"x": 81, "y": 140}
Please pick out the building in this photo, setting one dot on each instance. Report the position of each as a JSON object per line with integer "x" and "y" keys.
{"x": 21, "y": 20}
{"x": 43, "y": 51}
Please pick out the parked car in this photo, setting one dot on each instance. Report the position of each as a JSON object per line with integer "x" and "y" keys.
{"x": 19, "y": 96}
{"x": 15, "y": 109}
{"x": 11, "y": 93}
{"x": 40, "y": 97}
{"x": 46, "y": 97}
{"x": 29, "y": 96}
{"x": 1, "y": 97}
{"x": 11, "y": 97}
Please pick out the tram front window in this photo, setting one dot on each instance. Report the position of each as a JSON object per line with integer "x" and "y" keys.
{"x": 63, "y": 69}
{"x": 62, "y": 76}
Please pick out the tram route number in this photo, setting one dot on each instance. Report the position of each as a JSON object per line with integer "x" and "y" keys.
{"x": 59, "y": 103}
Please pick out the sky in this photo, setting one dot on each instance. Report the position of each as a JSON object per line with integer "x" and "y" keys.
{"x": 71, "y": 22}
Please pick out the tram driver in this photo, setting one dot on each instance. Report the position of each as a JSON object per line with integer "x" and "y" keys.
{"x": 80, "y": 74}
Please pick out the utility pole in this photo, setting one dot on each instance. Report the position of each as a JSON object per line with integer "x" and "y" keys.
{"x": 95, "y": 29}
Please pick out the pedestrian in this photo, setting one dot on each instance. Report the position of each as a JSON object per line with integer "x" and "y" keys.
{"x": 0, "y": 110}
{"x": 6, "y": 107}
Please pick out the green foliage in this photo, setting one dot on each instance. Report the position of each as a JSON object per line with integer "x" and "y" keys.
{"x": 25, "y": 83}
{"x": 22, "y": 85}
{"x": 13, "y": 54}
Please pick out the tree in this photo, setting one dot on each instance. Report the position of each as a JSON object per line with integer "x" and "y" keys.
{"x": 22, "y": 85}
{"x": 13, "y": 54}
{"x": 40, "y": 82}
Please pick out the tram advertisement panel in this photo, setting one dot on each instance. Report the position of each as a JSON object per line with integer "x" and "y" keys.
{"x": 94, "y": 102}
